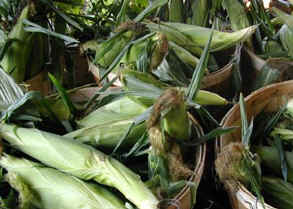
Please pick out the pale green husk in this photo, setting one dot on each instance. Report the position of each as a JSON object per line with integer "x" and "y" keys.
{"x": 122, "y": 109}
{"x": 48, "y": 188}
{"x": 108, "y": 134}
{"x": 81, "y": 161}
{"x": 196, "y": 36}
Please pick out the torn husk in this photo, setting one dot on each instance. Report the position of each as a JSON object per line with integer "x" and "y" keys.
{"x": 164, "y": 127}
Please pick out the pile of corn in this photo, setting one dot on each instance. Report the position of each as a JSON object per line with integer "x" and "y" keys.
{"x": 134, "y": 142}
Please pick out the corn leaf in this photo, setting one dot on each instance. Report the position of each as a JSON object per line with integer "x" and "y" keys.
{"x": 280, "y": 148}
{"x": 209, "y": 136}
{"x": 278, "y": 191}
{"x": 199, "y": 71}
{"x": 35, "y": 28}
{"x": 65, "y": 98}
{"x": 246, "y": 130}
{"x": 62, "y": 15}
{"x": 121, "y": 54}
{"x": 200, "y": 12}
{"x": 153, "y": 5}
{"x": 237, "y": 14}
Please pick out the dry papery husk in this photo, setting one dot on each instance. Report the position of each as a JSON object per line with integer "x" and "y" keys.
{"x": 267, "y": 99}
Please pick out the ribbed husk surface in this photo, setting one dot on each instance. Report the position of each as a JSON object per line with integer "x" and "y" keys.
{"x": 49, "y": 188}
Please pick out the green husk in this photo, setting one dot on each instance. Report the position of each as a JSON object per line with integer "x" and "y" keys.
{"x": 17, "y": 55}
{"x": 122, "y": 109}
{"x": 198, "y": 36}
{"x": 145, "y": 89}
{"x": 278, "y": 192}
{"x": 48, "y": 188}
{"x": 165, "y": 158}
{"x": 108, "y": 50}
{"x": 285, "y": 18}
{"x": 286, "y": 36}
{"x": 81, "y": 161}
{"x": 176, "y": 9}
{"x": 270, "y": 158}
{"x": 184, "y": 54}
{"x": 174, "y": 111}
{"x": 108, "y": 134}
{"x": 200, "y": 11}
{"x": 237, "y": 14}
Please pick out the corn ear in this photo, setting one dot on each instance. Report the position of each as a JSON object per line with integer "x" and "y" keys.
{"x": 108, "y": 134}
{"x": 198, "y": 36}
{"x": 122, "y": 109}
{"x": 237, "y": 14}
{"x": 175, "y": 35}
{"x": 209, "y": 98}
{"x": 200, "y": 11}
{"x": 169, "y": 111}
{"x": 175, "y": 10}
{"x": 81, "y": 161}
{"x": 284, "y": 17}
{"x": 107, "y": 51}
{"x": 278, "y": 192}
{"x": 49, "y": 188}
{"x": 159, "y": 52}
{"x": 17, "y": 55}
{"x": 286, "y": 36}
{"x": 147, "y": 88}
{"x": 184, "y": 54}
{"x": 270, "y": 158}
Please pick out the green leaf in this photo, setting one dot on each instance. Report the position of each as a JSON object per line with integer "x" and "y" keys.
{"x": 35, "y": 28}
{"x": 211, "y": 135}
{"x": 284, "y": 165}
{"x": 121, "y": 54}
{"x": 272, "y": 122}
{"x": 199, "y": 71}
{"x": 244, "y": 123}
{"x": 137, "y": 147}
{"x": 62, "y": 92}
{"x": 62, "y": 15}
{"x": 153, "y": 5}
